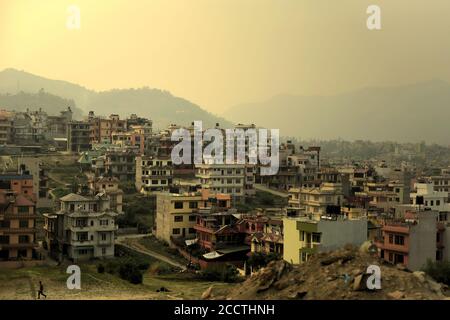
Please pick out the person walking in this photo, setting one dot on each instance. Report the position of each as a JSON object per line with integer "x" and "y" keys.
{"x": 41, "y": 291}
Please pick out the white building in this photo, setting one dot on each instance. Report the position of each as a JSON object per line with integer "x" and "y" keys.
{"x": 222, "y": 178}
{"x": 83, "y": 228}
{"x": 434, "y": 200}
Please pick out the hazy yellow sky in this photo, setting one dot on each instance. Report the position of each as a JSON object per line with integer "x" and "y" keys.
{"x": 218, "y": 53}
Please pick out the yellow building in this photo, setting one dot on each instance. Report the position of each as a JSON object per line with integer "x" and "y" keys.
{"x": 176, "y": 212}
{"x": 314, "y": 201}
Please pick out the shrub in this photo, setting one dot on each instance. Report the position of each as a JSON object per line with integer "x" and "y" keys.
{"x": 160, "y": 268}
{"x": 100, "y": 268}
{"x": 439, "y": 271}
{"x": 220, "y": 272}
{"x": 258, "y": 259}
{"x": 130, "y": 271}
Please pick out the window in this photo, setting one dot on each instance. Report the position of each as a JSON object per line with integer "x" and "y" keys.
{"x": 104, "y": 222}
{"x": 23, "y": 223}
{"x": 4, "y": 239}
{"x": 193, "y": 205}
{"x": 103, "y": 251}
{"x": 82, "y": 252}
{"x": 438, "y": 202}
{"x": 316, "y": 237}
{"x": 192, "y": 218}
{"x": 24, "y": 239}
{"x": 154, "y": 181}
{"x": 304, "y": 257}
{"x": 178, "y": 205}
{"x": 178, "y": 218}
{"x": 176, "y": 231}
{"x": 23, "y": 209}
{"x": 103, "y": 236}
{"x": 400, "y": 240}
{"x": 191, "y": 230}
{"x": 82, "y": 236}
{"x": 4, "y": 224}
{"x": 391, "y": 238}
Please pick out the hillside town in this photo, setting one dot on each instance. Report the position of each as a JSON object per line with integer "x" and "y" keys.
{"x": 209, "y": 214}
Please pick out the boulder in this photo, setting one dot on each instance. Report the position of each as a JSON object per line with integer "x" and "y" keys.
{"x": 420, "y": 275}
{"x": 397, "y": 295}
{"x": 207, "y": 293}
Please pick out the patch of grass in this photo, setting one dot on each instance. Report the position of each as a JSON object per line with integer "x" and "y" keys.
{"x": 262, "y": 200}
{"x": 139, "y": 211}
{"x": 163, "y": 248}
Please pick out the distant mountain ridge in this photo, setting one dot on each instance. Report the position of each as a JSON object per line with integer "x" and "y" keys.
{"x": 52, "y": 104}
{"x": 160, "y": 106}
{"x": 409, "y": 113}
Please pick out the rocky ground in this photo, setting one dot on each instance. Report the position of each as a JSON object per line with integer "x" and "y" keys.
{"x": 330, "y": 276}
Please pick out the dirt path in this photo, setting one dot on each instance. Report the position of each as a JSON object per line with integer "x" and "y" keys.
{"x": 133, "y": 245}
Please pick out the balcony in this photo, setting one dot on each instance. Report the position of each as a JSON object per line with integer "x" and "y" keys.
{"x": 14, "y": 216}
{"x": 76, "y": 242}
{"x": 311, "y": 245}
{"x": 396, "y": 228}
{"x": 18, "y": 245}
{"x": 392, "y": 247}
{"x": 17, "y": 230}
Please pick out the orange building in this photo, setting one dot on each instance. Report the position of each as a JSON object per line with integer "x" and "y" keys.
{"x": 17, "y": 217}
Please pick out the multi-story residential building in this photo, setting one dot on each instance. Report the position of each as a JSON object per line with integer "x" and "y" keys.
{"x": 101, "y": 129}
{"x": 414, "y": 240}
{"x": 17, "y": 226}
{"x": 270, "y": 239}
{"x": 121, "y": 164}
{"x": 134, "y": 121}
{"x": 18, "y": 183}
{"x": 17, "y": 217}
{"x": 78, "y": 136}
{"x": 33, "y": 166}
{"x": 218, "y": 230}
{"x": 222, "y": 178}
{"x": 153, "y": 174}
{"x": 304, "y": 236}
{"x": 23, "y": 129}
{"x": 358, "y": 176}
{"x": 129, "y": 138}
{"x": 441, "y": 183}
{"x": 386, "y": 195}
{"x": 57, "y": 125}
{"x": 176, "y": 212}
{"x": 295, "y": 168}
{"x": 109, "y": 186}
{"x": 83, "y": 228}
{"x": 6, "y": 127}
{"x": 316, "y": 201}
{"x": 431, "y": 199}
